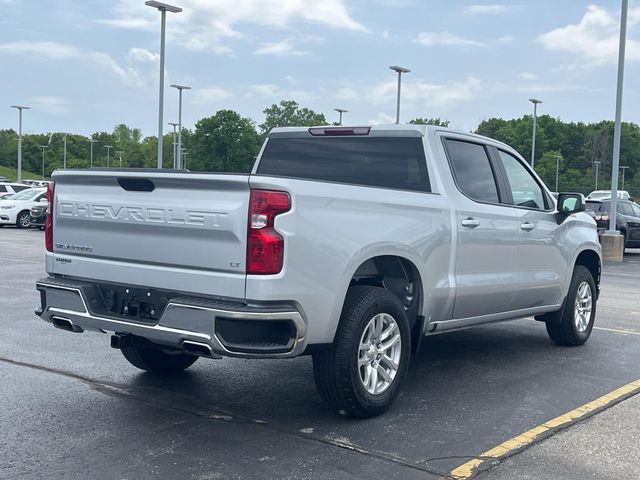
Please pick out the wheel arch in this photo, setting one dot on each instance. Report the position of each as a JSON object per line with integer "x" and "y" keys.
{"x": 387, "y": 268}
{"x": 590, "y": 259}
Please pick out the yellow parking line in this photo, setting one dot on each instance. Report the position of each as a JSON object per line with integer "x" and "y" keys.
{"x": 468, "y": 469}
{"x": 617, "y": 330}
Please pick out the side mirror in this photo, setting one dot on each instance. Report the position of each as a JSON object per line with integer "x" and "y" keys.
{"x": 569, "y": 203}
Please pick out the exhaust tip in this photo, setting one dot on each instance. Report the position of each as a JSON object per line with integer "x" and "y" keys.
{"x": 65, "y": 324}
{"x": 198, "y": 348}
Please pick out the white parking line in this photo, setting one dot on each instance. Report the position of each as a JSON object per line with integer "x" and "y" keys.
{"x": 617, "y": 330}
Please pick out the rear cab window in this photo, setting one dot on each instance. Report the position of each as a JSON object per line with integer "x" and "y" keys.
{"x": 472, "y": 170}
{"x": 384, "y": 162}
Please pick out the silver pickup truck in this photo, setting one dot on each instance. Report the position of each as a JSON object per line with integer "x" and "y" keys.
{"x": 346, "y": 243}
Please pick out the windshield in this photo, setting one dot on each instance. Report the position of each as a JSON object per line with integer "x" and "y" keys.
{"x": 27, "y": 194}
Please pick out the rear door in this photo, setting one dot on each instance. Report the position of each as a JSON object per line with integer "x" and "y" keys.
{"x": 181, "y": 231}
{"x": 487, "y": 233}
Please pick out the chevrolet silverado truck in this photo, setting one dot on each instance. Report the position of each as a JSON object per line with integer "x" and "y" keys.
{"x": 349, "y": 244}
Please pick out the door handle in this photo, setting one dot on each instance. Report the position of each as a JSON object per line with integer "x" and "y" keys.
{"x": 527, "y": 226}
{"x": 470, "y": 223}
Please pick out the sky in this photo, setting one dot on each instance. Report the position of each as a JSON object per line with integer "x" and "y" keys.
{"x": 84, "y": 66}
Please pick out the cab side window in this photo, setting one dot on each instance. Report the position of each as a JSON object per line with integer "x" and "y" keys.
{"x": 525, "y": 190}
{"x": 472, "y": 170}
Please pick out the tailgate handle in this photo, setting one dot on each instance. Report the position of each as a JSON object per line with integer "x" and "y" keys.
{"x": 132, "y": 184}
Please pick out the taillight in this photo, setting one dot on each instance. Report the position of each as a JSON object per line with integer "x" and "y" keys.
{"x": 265, "y": 246}
{"x": 48, "y": 223}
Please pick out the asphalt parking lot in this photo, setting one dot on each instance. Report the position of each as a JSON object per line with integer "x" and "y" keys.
{"x": 72, "y": 407}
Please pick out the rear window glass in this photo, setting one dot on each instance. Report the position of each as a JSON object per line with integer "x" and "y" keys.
{"x": 597, "y": 207}
{"x": 387, "y": 162}
{"x": 19, "y": 188}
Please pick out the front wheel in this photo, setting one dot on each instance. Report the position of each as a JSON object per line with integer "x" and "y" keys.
{"x": 573, "y": 324}
{"x": 361, "y": 373}
{"x": 23, "y": 220}
{"x": 156, "y": 360}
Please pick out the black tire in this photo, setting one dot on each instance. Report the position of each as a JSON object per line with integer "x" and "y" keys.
{"x": 20, "y": 222}
{"x": 336, "y": 370}
{"x": 561, "y": 326}
{"x": 154, "y": 360}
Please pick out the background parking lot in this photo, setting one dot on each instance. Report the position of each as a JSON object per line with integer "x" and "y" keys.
{"x": 72, "y": 407}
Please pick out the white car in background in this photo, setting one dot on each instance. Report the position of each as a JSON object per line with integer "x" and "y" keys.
{"x": 16, "y": 211}
{"x": 606, "y": 194}
{"x": 7, "y": 188}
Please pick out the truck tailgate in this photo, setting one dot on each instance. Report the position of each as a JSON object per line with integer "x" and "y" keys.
{"x": 177, "y": 230}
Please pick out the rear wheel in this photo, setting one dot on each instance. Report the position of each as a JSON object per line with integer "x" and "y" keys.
{"x": 155, "y": 360}
{"x": 23, "y": 220}
{"x": 361, "y": 373}
{"x": 573, "y": 324}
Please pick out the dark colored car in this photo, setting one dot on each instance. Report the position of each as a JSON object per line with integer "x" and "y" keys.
{"x": 627, "y": 221}
{"x": 38, "y": 216}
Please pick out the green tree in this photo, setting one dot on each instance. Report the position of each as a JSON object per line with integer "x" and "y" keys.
{"x": 224, "y": 142}
{"x": 429, "y": 121}
{"x": 289, "y": 114}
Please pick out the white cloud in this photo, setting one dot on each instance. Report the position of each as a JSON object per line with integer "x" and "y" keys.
{"x": 50, "y": 50}
{"x": 207, "y": 24}
{"x": 346, "y": 93}
{"x": 386, "y": 35}
{"x": 209, "y": 95}
{"x": 271, "y": 91}
{"x": 50, "y": 104}
{"x": 282, "y": 48}
{"x": 527, "y": 76}
{"x": 430, "y": 39}
{"x": 427, "y": 93}
{"x": 381, "y": 118}
{"x": 490, "y": 9}
{"x": 137, "y": 70}
{"x": 594, "y": 39}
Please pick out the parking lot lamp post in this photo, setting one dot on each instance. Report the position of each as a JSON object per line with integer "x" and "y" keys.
{"x": 43, "y": 147}
{"x": 340, "y": 111}
{"x": 174, "y": 125}
{"x": 163, "y": 8}
{"x": 64, "y": 161}
{"x": 20, "y": 108}
{"x": 623, "y": 168}
{"x": 108, "y": 147}
{"x": 558, "y": 158}
{"x": 180, "y": 89}
{"x": 535, "y": 102}
{"x": 618, "y": 124}
{"x": 184, "y": 155}
{"x": 120, "y": 152}
{"x": 597, "y": 165}
{"x": 400, "y": 71}
{"x": 92, "y": 141}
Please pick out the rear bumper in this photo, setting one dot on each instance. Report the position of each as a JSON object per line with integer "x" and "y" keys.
{"x": 225, "y": 328}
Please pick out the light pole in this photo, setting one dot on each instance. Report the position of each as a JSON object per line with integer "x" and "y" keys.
{"x": 184, "y": 154}
{"x": 108, "y": 147}
{"x": 180, "y": 89}
{"x": 558, "y": 157}
{"x": 535, "y": 102}
{"x": 618, "y": 125}
{"x": 120, "y": 152}
{"x": 20, "y": 108}
{"x": 340, "y": 111}
{"x": 163, "y": 8}
{"x": 597, "y": 166}
{"x": 174, "y": 125}
{"x": 43, "y": 147}
{"x": 92, "y": 141}
{"x": 400, "y": 71}
{"x": 623, "y": 168}
{"x": 64, "y": 161}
